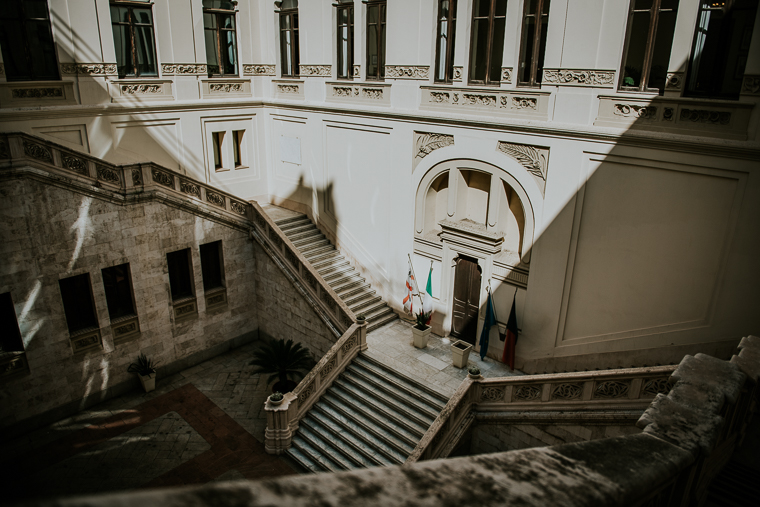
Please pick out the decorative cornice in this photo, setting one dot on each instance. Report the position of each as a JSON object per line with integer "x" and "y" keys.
{"x": 583, "y": 77}
{"x": 407, "y": 71}
{"x": 506, "y": 74}
{"x": 184, "y": 69}
{"x": 751, "y": 85}
{"x": 315, "y": 70}
{"x": 89, "y": 69}
{"x": 533, "y": 158}
{"x": 258, "y": 69}
{"x": 426, "y": 142}
{"x": 674, "y": 81}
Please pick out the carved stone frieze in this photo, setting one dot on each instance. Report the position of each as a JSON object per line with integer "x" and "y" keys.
{"x": 494, "y": 394}
{"x": 668, "y": 113}
{"x": 225, "y": 87}
{"x": 141, "y": 89}
{"x": 635, "y": 111}
{"x": 372, "y": 93}
{"x": 188, "y": 69}
{"x": 89, "y": 69}
{"x": 506, "y": 74}
{"x": 478, "y": 99}
{"x": 612, "y": 389}
{"x": 440, "y": 97}
{"x": 327, "y": 369}
{"x": 37, "y": 93}
{"x": 527, "y": 393}
{"x": 256, "y": 69}
{"x": 571, "y": 77}
{"x": 306, "y": 394}
{"x": 214, "y": 198}
{"x": 533, "y": 158}
{"x": 344, "y": 91}
{"x": 655, "y": 386}
{"x": 751, "y": 85}
{"x": 705, "y": 116}
{"x": 315, "y": 70}
{"x": 162, "y": 178}
{"x": 107, "y": 174}
{"x": 37, "y": 151}
{"x": 238, "y": 207}
{"x": 674, "y": 81}
{"x": 425, "y": 143}
{"x": 350, "y": 344}
{"x": 190, "y": 188}
{"x": 407, "y": 71}
{"x": 287, "y": 88}
{"x": 567, "y": 391}
{"x": 75, "y": 164}
{"x": 137, "y": 177}
{"x": 524, "y": 103}
{"x": 357, "y": 71}
{"x": 458, "y": 73}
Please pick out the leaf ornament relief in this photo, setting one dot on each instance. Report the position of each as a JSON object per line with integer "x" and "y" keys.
{"x": 532, "y": 158}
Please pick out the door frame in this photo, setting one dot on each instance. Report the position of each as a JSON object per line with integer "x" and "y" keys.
{"x": 480, "y": 268}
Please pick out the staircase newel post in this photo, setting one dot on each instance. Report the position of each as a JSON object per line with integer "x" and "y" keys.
{"x": 278, "y": 435}
{"x": 363, "y": 336}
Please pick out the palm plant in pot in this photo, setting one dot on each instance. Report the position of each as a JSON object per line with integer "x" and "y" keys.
{"x": 421, "y": 330}
{"x": 285, "y": 361}
{"x": 145, "y": 368}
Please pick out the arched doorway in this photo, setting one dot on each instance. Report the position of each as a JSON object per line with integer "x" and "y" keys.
{"x": 467, "y": 277}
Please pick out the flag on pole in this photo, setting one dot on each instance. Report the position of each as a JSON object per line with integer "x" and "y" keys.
{"x": 427, "y": 301}
{"x": 509, "y": 344}
{"x": 489, "y": 321}
{"x": 408, "y": 301}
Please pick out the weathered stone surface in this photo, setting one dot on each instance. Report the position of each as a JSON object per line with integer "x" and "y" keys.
{"x": 748, "y": 360}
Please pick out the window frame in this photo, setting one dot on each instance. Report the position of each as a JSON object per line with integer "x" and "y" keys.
{"x": 10, "y": 336}
{"x": 535, "y": 77}
{"x": 654, "y": 18}
{"x": 189, "y": 274}
{"x": 109, "y": 301}
{"x": 70, "y": 305}
{"x": 491, "y": 17}
{"x": 131, "y": 5}
{"x": 295, "y": 47}
{"x": 345, "y": 6}
{"x": 218, "y": 13}
{"x": 56, "y": 75}
{"x": 382, "y": 6}
{"x": 206, "y": 268}
{"x": 451, "y": 20}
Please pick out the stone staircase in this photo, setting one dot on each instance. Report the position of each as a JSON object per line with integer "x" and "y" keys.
{"x": 350, "y": 286}
{"x": 370, "y": 416}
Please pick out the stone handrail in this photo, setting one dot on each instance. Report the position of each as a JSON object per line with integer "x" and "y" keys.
{"x": 631, "y": 388}
{"x": 283, "y": 419}
{"x": 135, "y": 182}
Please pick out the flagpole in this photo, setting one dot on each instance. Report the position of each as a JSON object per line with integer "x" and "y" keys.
{"x": 411, "y": 266}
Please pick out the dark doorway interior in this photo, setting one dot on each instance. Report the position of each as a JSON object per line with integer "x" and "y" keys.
{"x": 466, "y": 299}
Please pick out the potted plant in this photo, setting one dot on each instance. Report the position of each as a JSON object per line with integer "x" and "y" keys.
{"x": 460, "y": 353}
{"x": 474, "y": 372}
{"x": 421, "y": 331}
{"x": 146, "y": 371}
{"x": 285, "y": 361}
{"x": 275, "y": 398}
{"x": 361, "y": 318}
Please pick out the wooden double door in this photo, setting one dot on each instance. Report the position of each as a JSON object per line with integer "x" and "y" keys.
{"x": 467, "y": 276}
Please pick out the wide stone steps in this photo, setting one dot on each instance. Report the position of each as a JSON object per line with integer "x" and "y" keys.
{"x": 336, "y": 271}
{"x": 370, "y": 416}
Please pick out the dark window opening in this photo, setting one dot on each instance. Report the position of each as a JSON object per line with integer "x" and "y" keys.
{"x": 533, "y": 44}
{"x": 27, "y": 41}
{"x": 212, "y": 266}
{"x": 649, "y": 39}
{"x": 721, "y": 48}
{"x": 78, "y": 304}
{"x": 345, "y": 13}
{"x": 444, "y": 46}
{"x": 289, "y": 50}
{"x": 180, "y": 274}
{"x": 10, "y": 335}
{"x": 237, "y": 137}
{"x": 219, "y": 34}
{"x": 217, "y": 138}
{"x": 487, "y": 42}
{"x": 133, "y": 37}
{"x": 118, "y": 285}
{"x": 376, "y": 11}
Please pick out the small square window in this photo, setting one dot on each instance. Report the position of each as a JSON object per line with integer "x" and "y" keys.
{"x": 212, "y": 266}
{"x": 78, "y": 304}
{"x": 180, "y": 274}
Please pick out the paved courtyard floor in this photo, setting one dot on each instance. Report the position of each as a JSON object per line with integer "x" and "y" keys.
{"x": 200, "y": 425}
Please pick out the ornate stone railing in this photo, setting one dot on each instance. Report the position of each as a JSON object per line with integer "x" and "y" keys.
{"x": 623, "y": 389}
{"x": 58, "y": 165}
{"x": 283, "y": 419}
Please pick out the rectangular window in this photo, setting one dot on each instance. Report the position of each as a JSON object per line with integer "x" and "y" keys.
{"x": 180, "y": 274}
{"x": 218, "y": 139}
{"x": 289, "y": 50}
{"x": 27, "y": 41}
{"x": 533, "y": 44}
{"x": 118, "y": 285}
{"x": 212, "y": 266}
{"x": 133, "y": 37}
{"x": 721, "y": 48}
{"x": 345, "y": 14}
{"x": 376, "y": 39}
{"x": 10, "y": 336}
{"x": 78, "y": 304}
{"x": 444, "y": 46}
{"x": 649, "y": 39}
{"x": 487, "y": 42}
{"x": 237, "y": 137}
{"x": 219, "y": 33}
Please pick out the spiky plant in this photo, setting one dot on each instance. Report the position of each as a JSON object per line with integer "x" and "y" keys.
{"x": 283, "y": 360}
{"x": 143, "y": 366}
